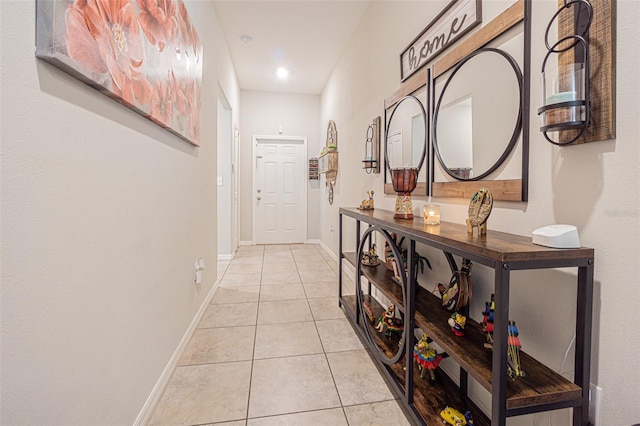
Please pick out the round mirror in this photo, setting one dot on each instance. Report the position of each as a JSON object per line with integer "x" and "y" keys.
{"x": 405, "y": 136}
{"x": 478, "y": 116}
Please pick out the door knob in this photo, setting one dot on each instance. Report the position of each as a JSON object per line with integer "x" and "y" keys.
{"x": 259, "y": 191}
{"x": 258, "y": 198}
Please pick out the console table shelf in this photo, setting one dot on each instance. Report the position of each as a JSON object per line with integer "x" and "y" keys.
{"x": 541, "y": 389}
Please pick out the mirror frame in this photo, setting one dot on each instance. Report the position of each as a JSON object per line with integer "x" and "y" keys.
{"x": 505, "y": 190}
{"x": 517, "y": 130}
{"x": 423, "y": 111}
{"x": 410, "y": 87}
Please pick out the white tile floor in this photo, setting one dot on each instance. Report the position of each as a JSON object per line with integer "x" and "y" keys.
{"x": 274, "y": 348}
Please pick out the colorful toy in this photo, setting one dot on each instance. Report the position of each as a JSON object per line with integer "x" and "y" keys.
{"x": 457, "y": 322}
{"x": 427, "y": 358}
{"x": 388, "y": 324}
{"x": 456, "y": 418}
{"x": 514, "y": 368}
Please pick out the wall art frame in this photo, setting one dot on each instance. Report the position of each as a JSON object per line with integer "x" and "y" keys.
{"x": 144, "y": 55}
{"x": 455, "y": 20}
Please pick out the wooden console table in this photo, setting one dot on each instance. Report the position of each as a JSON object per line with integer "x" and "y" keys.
{"x": 542, "y": 389}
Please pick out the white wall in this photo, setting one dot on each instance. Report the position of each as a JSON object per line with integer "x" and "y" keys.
{"x": 263, "y": 113}
{"x": 594, "y": 186}
{"x": 224, "y": 172}
{"x": 103, "y": 216}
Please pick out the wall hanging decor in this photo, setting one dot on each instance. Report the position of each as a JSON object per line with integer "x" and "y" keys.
{"x": 480, "y": 110}
{"x": 602, "y": 67}
{"x": 328, "y": 160}
{"x": 565, "y": 77}
{"x": 145, "y": 55}
{"x": 457, "y": 18}
{"x": 371, "y": 154}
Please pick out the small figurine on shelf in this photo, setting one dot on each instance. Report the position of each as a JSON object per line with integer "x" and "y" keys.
{"x": 487, "y": 321}
{"x": 368, "y": 311}
{"x": 455, "y": 418}
{"x": 370, "y": 258}
{"x": 457, "y": 322}
{"x": 479, "y": 211}
{"x": 427, "y": 358}
{"x": 514, "y": 368}
{"x": 388, "y": 324}
{"x": 367, "y": 204}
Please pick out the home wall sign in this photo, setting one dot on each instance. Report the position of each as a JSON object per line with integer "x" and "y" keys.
{"x": 453, "y": 22}
{"x": 146, "y": 55}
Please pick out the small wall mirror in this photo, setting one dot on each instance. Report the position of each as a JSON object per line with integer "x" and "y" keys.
{"x": 406, "y": 135}
{"x": 478, "y": 116}
{"x": 406, "y": 149}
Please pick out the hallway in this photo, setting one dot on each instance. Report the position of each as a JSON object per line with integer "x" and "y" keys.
{"x": 274, "y": 348}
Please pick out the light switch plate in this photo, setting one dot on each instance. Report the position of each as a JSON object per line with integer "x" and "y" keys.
{"x": 219, "y": 180}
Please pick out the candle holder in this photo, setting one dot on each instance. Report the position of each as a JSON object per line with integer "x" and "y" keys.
{"x": 431, "y": 214}
{"x": 565, "y": 83}
{"x": 371, "y": 153}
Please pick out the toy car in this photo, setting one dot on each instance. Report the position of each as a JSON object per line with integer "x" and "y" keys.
{"x": 453, "y": 417}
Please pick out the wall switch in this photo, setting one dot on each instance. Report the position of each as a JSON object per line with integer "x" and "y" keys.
{"x": 595, "y": 404}
{"x": 219, "y": 180}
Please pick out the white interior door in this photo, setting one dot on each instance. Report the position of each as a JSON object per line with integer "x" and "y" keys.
{"x": 279, "y": 202}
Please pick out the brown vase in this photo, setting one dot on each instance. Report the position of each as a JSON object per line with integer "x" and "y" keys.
{"x": 404, "y": 182}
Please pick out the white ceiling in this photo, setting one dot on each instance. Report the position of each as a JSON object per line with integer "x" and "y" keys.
{"x": 305, "y": 36}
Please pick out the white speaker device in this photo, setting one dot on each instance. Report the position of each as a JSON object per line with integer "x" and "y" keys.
{"x": 557, "y": 236}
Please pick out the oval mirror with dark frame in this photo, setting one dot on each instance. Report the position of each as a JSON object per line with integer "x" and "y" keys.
{"x": 480, "y": 116}
{"x": 405, "y": 149}
{"x": 473, "y": 130}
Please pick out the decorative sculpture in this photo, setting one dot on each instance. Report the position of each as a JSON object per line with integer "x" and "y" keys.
{"x": 457, "y": 322}
{"x": 388, "y": 324}
{"x": 479, "y": 211}
{"x": 427, "y": 358}
{"x": 367, "y": 203}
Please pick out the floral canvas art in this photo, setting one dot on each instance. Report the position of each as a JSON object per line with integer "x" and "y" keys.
{"x": 146, "y": 54}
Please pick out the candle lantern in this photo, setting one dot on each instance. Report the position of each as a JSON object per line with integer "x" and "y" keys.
{"x": 565, "y": 78}
{"x": 431, "y": 214}
{"x": 371, "y": 152}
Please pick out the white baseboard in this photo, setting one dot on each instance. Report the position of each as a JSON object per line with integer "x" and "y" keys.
{"x": 226, "y": 256}
{"x": 152, "y": 401}
{"x": 314, "y": 241}
{"x": 328, "y": 250}
{"x": 246, "y": 243}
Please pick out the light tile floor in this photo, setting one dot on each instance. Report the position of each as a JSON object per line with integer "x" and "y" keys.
{"x": 274, "y": 348}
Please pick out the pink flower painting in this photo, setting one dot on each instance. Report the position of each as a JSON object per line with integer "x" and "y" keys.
{"x": 144, "y": 53}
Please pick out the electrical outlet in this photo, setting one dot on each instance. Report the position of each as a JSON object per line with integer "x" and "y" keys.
{"x": 595, "y": 404}
{"x": 330, "y": 228}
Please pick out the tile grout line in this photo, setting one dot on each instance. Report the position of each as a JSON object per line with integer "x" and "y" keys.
{"x": 255, "y": 336}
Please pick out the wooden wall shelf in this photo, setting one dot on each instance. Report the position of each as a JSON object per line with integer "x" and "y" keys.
{"x": 541, "y": 389}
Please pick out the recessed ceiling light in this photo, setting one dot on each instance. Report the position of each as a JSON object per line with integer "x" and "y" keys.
{"x": 246, "y": 39}
{"x": 282, "y": 73}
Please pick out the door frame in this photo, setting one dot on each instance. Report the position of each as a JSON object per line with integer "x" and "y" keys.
{"x": 303, "y": 175}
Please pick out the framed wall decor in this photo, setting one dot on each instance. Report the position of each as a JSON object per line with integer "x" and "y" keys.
{"x": 455, "y": 20}
{"x": 146, "y": 55}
